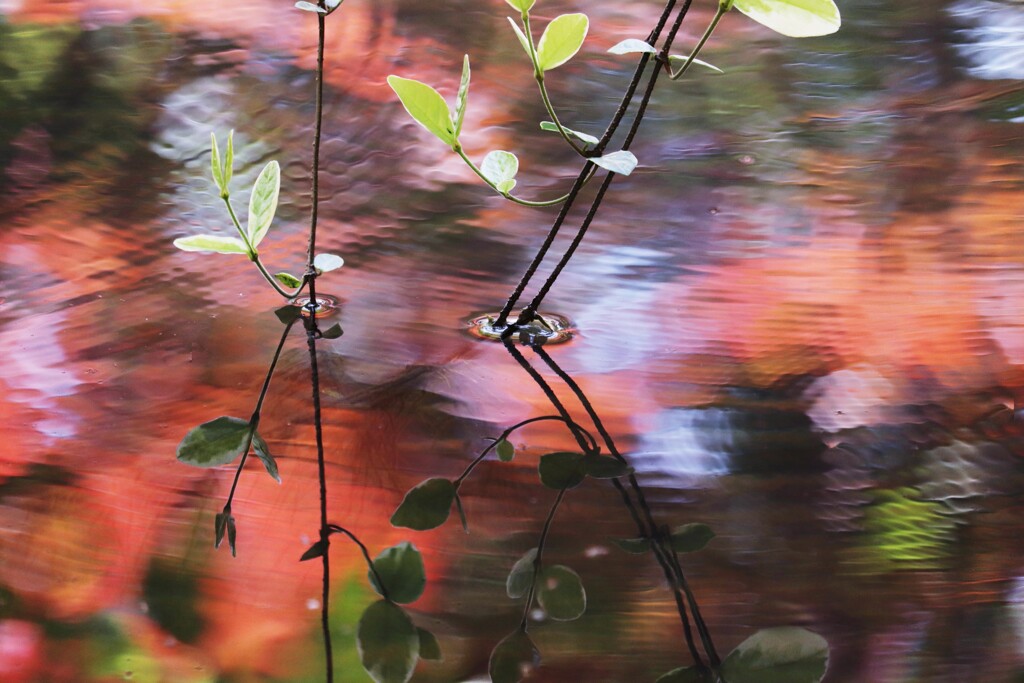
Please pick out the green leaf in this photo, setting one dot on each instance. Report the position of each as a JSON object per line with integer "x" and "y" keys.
{"x": 288, "y": 313}
{"x": 521, "y": 36}
{"x": 521, "y": 5}
{"x": 634, "y": 546}
{"x": 388, "y": 643}
{"x": 793, "y": 18}
{"x": 214, "y": 443}
{"x": 631, "y": 45}
{"x": 462, "y": 97}
{"x": 400, "y": 568}
{"x": 506, "y": 451}
{"x": 310, "y": 7}
{"x": 500, "y": 167}
{"x": 332, "y": 332}
{"x": 583, "y": 137}
{"x": 561, "y": 470}
{"x": 325, "y": 263}
{"x": 513, "y": 658}
{"x": 263, "y": 202}
{"x": 785, "y": 654}
{"x": 690, "y": 538}
{"x": 430, "y": 649}
{"x": 288, "y": 280}
{"x": 216, "y": 166}
{"x": 263, "y": 453}
{"x": 605, "y": 467}
{"x": 679, "y": 60}
{"x": 621, "y": 162}
{"x": 229, "y": 161}
{"x": 426, "y": 106}
{"x": 560, "y": 592}
{"x": 314, "y": 551}
{"x": 426, "y": 505}
{"x": 521, "y": 577}
{"x": 687, "y": 674}
{"x": 562, "y": 39}
{"x": 220, "y": 525}
{"x": 216, "y": 243}
{"x": 232, "y": 535}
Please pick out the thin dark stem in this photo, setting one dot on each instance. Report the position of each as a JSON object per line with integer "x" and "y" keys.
{"x": 537, "y": 559}
{"x": 315, "y": 180}
{"x": 334, "y": 528}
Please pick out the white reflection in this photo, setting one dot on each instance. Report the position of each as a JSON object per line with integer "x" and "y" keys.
{"x": 994, "y": 44}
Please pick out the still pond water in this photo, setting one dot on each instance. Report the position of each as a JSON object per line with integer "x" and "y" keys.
{"x": 802, "y": 318}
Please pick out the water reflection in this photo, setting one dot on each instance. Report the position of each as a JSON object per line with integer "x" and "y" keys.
{"x": 801, "y": 317}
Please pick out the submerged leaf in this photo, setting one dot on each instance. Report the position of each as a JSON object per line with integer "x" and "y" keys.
{"x": 263, "y": 202}
{"x": 634, "y": 546}
{"x": 214, "y": 443}
{"x": 400, "y": 568}
{"x": 314, "y": 551}
{"x": 621, "y": 162}
{"x": 426, "y": 106}
{"x": 506, "y": 451}
{"x": 513, "y": 659}
{"x": 690, "y": 538}
{"x": 216, "y": 243}
{"x": 687, "y": 674}
{"x": 426, "y": 505}
{"x": 560, "y": 592}
{"x": 561, "y": 470}
{"x": 332, "y": 332}
{"x": 605, "y": 467}
{"x": 793, "y": 18}
{"x": 430, "y": 649}
{"x": 288, "y": 313}
{"x": 388, "y": 643}
{"x": 263, "y": 453}
{"x": 582, "y": 137}
{"x": 521, "y": 577}
{"x": 562, "y": 39}
{"x": 785, "y": 654}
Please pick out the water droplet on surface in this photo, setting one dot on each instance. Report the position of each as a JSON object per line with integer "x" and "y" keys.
{"x": 549, "y": 328}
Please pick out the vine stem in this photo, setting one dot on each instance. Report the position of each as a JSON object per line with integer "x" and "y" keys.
{"x": 537, "y": 560}
{"x": 675, "y": 75}
{"x": 255, "y": 257}
{"x": 334, "y": 528}
{"x": 524, "y": 202}
{"x": 538, "y": 75}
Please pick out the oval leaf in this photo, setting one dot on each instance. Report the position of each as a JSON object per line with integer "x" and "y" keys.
{"x": 583, "y": 137}
{"x": 263, "y": 453}
{"x": 634, "y": 546}
{"x": 785, "y": 655}
{"x": 325, "y": 263}
{"x": 621, "y": 162}
{"x": 561, "y": 470}
{"x": 521, "y": 5}
{"x": 263, "y": 202}
{"x": 228, "y": 169}
{"x": 793, "y": 18}
{"x": 521, "y": 36}
{"x": 690, "y": 538}
{"x": 678, "y": 61}
{"x": 506, "y": 451}
{"x": 216, "y": 243}
{"x": 462, "y": 97}
{"x": 310, "y": 7}
{"x": 513, "y": 659}
{"x": 216, "y": 167}
{"x": 560, "y": 592}
{"x": 500, "y": 166}
{"x": 521, "y": 577}
{"x": 630, "y": 45}
{"x": 288, "y": 280}
{"x": 562, "y": 39}
{"x": 400, "y": 567}
{"x": 426, "y": 106}
{"x": 216, "y": 442}
{"x": 429, "y": 647}
{"x": 388, "y": 643}
{"x": 426, "y": 505}
{"x": 605, "y": 467}
{"x": 687, "y": 674}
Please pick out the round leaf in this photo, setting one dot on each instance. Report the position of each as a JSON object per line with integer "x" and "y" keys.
{"x": 622, "y": 162}
{"x": 561, "y": 593}
{"x": 562, "y": 39}
{"x": 513, "y": 658}
{"x": 426, "y": 505}
{"x": 521, "y": 577}
{"x": 561, "y": 470}
{"x": 325, "y": 263}
{"x": 263, "y": 202}
{"x": 388, "y": 643}
{"x": 690, "y": 538}
{"x": 401, "y": 570}
{"x": 426, "y": 106}
{"x": 500, "y": 166}
{"x": 216, "y": 442}
{"x": 506, "y": 451}
{"x": 215, "y": 243}
{"x": 605, "y": 467}
{"x": 793, "y": 18}
{"x": 778, "y": 655}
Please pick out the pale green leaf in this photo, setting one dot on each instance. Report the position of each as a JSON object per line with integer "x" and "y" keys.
{"x": 215, "y": 243}
{"x": 310, "y": 7}
{"x": 621, "y": 162}
{"x": 562, "y": 39}
{"x": 216, "y": 166}
{"x": 583, "y": 137}
{"x": 785, "y": 654}
{"x": 675, "y": 61}
{"x": 505, "y": 186}
{"x": 263, "y": 202}
{"x": 793, "y": 18}
{"x": 462, "y": 97}
{"x": 388, "y": 643}
{"x": 426, "y": 106}
{"x": 560, "y": 592}
{"x": 216, "y": 442}
{"x": 521, "y": 36}
{"x": 521, "y": 5}
{"x": 288, "y": 280}
{"x": 229, "y": 160}
{"x": 513, "y": 659}
{"x": 325, "y": 263}
{"x": 521, "y": 577}
{"x": 630, "y": 45}
{"x": 263, "y": 453}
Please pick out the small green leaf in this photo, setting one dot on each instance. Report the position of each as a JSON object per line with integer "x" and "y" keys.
{"x": 314, "y": 551}
{"x": 621, "y": 162}
{"x": 263, "y": 202}
{"x": 216, "y": 166}
{"x": 634, "y": 546}
{"x": 505, "y": 186}
{"x": 513, "y": 659}
{"x": 521, "y": 36}
{"x": 288, "y": 313}
{"x": 214, "y": 443}
{"x": 325, "y": 263}
{"x": 388, "y": 643}
{"x": 288, "y": 280}
{"x": 229, "y": 161}
{"x": 400, "y": 568}
{"x": 793, "y": 18}
{"x": 310, "y": 7}
{"x": 687, "y": 674}
{"x": 426, "y": 106}
{"x": 605, "y": 467}
{"x": 690, "y": 538}
{"x": 561, "y": 470}
{"x": 506, "y": 451}
{"x": 430, "y": 649}
{"x": 521, "y": 5}
{"x": 679, "y": 60}
{"x": 220, "y": 525}
{"x": 560, "y": 592}
{"x": 786, "y": 654}
{"x": 332, "y": 332}
{"x": 631, "y": 45}
{"x": 216, "y": 243}
{"x": 263, "y": 453}
{"x": 426, "y": 505}
{"x": 583, "y": 137}
{"x": 232, "y": 535}
{"x": 500, "y": 167}
{"x": 462, "y": 97}
{"x": 521, "y": 577}
{"x": 562, "y": 39}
